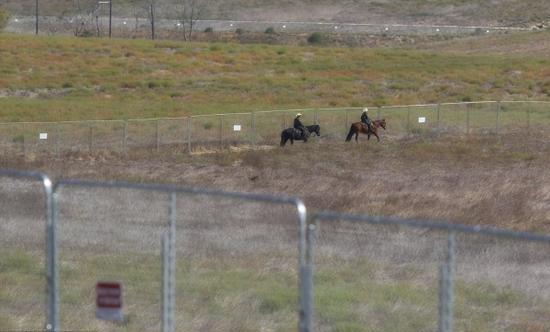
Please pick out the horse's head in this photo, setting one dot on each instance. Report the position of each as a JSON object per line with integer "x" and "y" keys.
{"x": 381, "y": 123}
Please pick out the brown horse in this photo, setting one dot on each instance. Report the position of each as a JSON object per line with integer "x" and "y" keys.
{"x": 359, "y": 127}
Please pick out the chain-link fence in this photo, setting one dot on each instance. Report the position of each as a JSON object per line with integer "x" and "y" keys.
{"x": 188, "y": 259}
{"x": 388, "y": 274}
{"x": 195, "y": 259}
{"x": 220, "y": 131}
{"x": 137, "y": 21}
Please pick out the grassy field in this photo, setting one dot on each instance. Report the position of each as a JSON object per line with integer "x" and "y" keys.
{"x": 233, "y": 277}
{"x": 60, "y": 78}
{"x": 366, "y": 292}
{"x": 242, "y": 276}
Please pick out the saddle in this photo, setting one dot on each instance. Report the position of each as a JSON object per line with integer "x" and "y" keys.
{"x": 300, "y": 134}
{"x": 365, "y": 126}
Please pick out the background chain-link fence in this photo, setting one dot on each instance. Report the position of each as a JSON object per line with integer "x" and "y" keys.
{"x": 264, "y": 127}
{"x": 136, "y": 21}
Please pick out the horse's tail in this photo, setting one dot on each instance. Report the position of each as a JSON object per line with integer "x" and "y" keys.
{"x": 350, "y": 134}
{"x": 283, "y": 138}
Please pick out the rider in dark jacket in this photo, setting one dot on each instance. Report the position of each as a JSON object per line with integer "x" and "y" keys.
{"x": 298, "y": 124}
{"x": 365, "y": 118}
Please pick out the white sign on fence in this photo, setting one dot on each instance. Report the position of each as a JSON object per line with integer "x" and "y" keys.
{"x": 422, "y": 119}
{"x": 43, "y": 136}
{"x": 109, "y": 301}
{"x": 237, "y": 127}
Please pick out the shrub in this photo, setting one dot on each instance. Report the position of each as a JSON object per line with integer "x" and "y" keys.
{"x": 85, "y": 33}
{"x": 315, "y": 38}
{"x": 153, "y": 84}
{"x": 18, "y": 139}
{"x": 270, "y": 30}
{"x": 4, "y": 17}
{"x": 239, "y": 31}
{"x": 209, "y": 30}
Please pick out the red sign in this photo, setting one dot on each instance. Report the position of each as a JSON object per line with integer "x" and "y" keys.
{"x": 109, "y": 301}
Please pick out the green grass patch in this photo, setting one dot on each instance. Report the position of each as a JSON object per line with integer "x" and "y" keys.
{"x": 113, "y": 79}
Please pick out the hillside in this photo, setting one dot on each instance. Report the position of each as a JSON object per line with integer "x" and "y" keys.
{"x": 66, "y": 78}
{"x": 446, "y": 12}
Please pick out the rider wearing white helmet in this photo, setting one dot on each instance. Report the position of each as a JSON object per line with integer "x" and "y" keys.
{"x": 365, "y": 118}
{"x": 298, "y": 124}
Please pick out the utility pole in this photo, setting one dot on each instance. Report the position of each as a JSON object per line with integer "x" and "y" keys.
{"x": 110, "y": 16}
{"x": 36, "y": 23}
{"x": 152, "y": 21}
{"x": 110, "y": 3}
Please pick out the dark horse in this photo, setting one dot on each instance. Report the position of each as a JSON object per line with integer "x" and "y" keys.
{"x": 359, "y": 127}
{"x": 294, "y": 135}
{"x": 314, "y": 129}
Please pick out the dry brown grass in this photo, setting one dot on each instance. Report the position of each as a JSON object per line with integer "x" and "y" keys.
{"x": 481, "y": 180}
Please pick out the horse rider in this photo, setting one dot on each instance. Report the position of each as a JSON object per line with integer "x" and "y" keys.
{"x": 299, "y": 126}
{"x": 365, "y": 119}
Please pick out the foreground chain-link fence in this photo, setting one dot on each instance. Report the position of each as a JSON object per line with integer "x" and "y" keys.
{"x": 27, "y": 269}
{"x": 194, "y": 259}
{"x": 264, "y": 127}
{"x": 386, "y": 274}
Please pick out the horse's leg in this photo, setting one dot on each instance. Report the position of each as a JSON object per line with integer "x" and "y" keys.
{"x": 350, "y": 134}
{"x": 377, "y": 137}
{"x": 292, "y": 141}
{"x": 356, "y": 135}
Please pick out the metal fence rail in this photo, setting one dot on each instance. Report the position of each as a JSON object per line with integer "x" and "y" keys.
{"x": 219, "y": 131}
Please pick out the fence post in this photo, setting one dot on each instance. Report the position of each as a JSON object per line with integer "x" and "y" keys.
{"x": 446, "y": 287}
{"x": 408, "y": 120}
{"x": 91, "y": 137}
{"x": 125, "y": 136}
{"x": 284, "y": 121}
{"x": 253, "y": 125}
{"x": 438, "y": 128}
{"x": 58, "y": 139}
{"x": 51, "y": 260}
{"x": 315, "y": 117}
{"x": 168, "y": 269}
{"x": 189, "y": 134}
{"x": 165, "y": 290}
{"x": 528, "y": 117}
{"x": 378, "y": 113}
{"x": 24, "y": 141}
{"x": 347, "y": 122}
{"x": 306, "y": 282}
{"x": 498, "y": 115}
{"x": 467, "y": 119}
{"x": 157, "y": 134}
{"x": 221, "y": 130}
